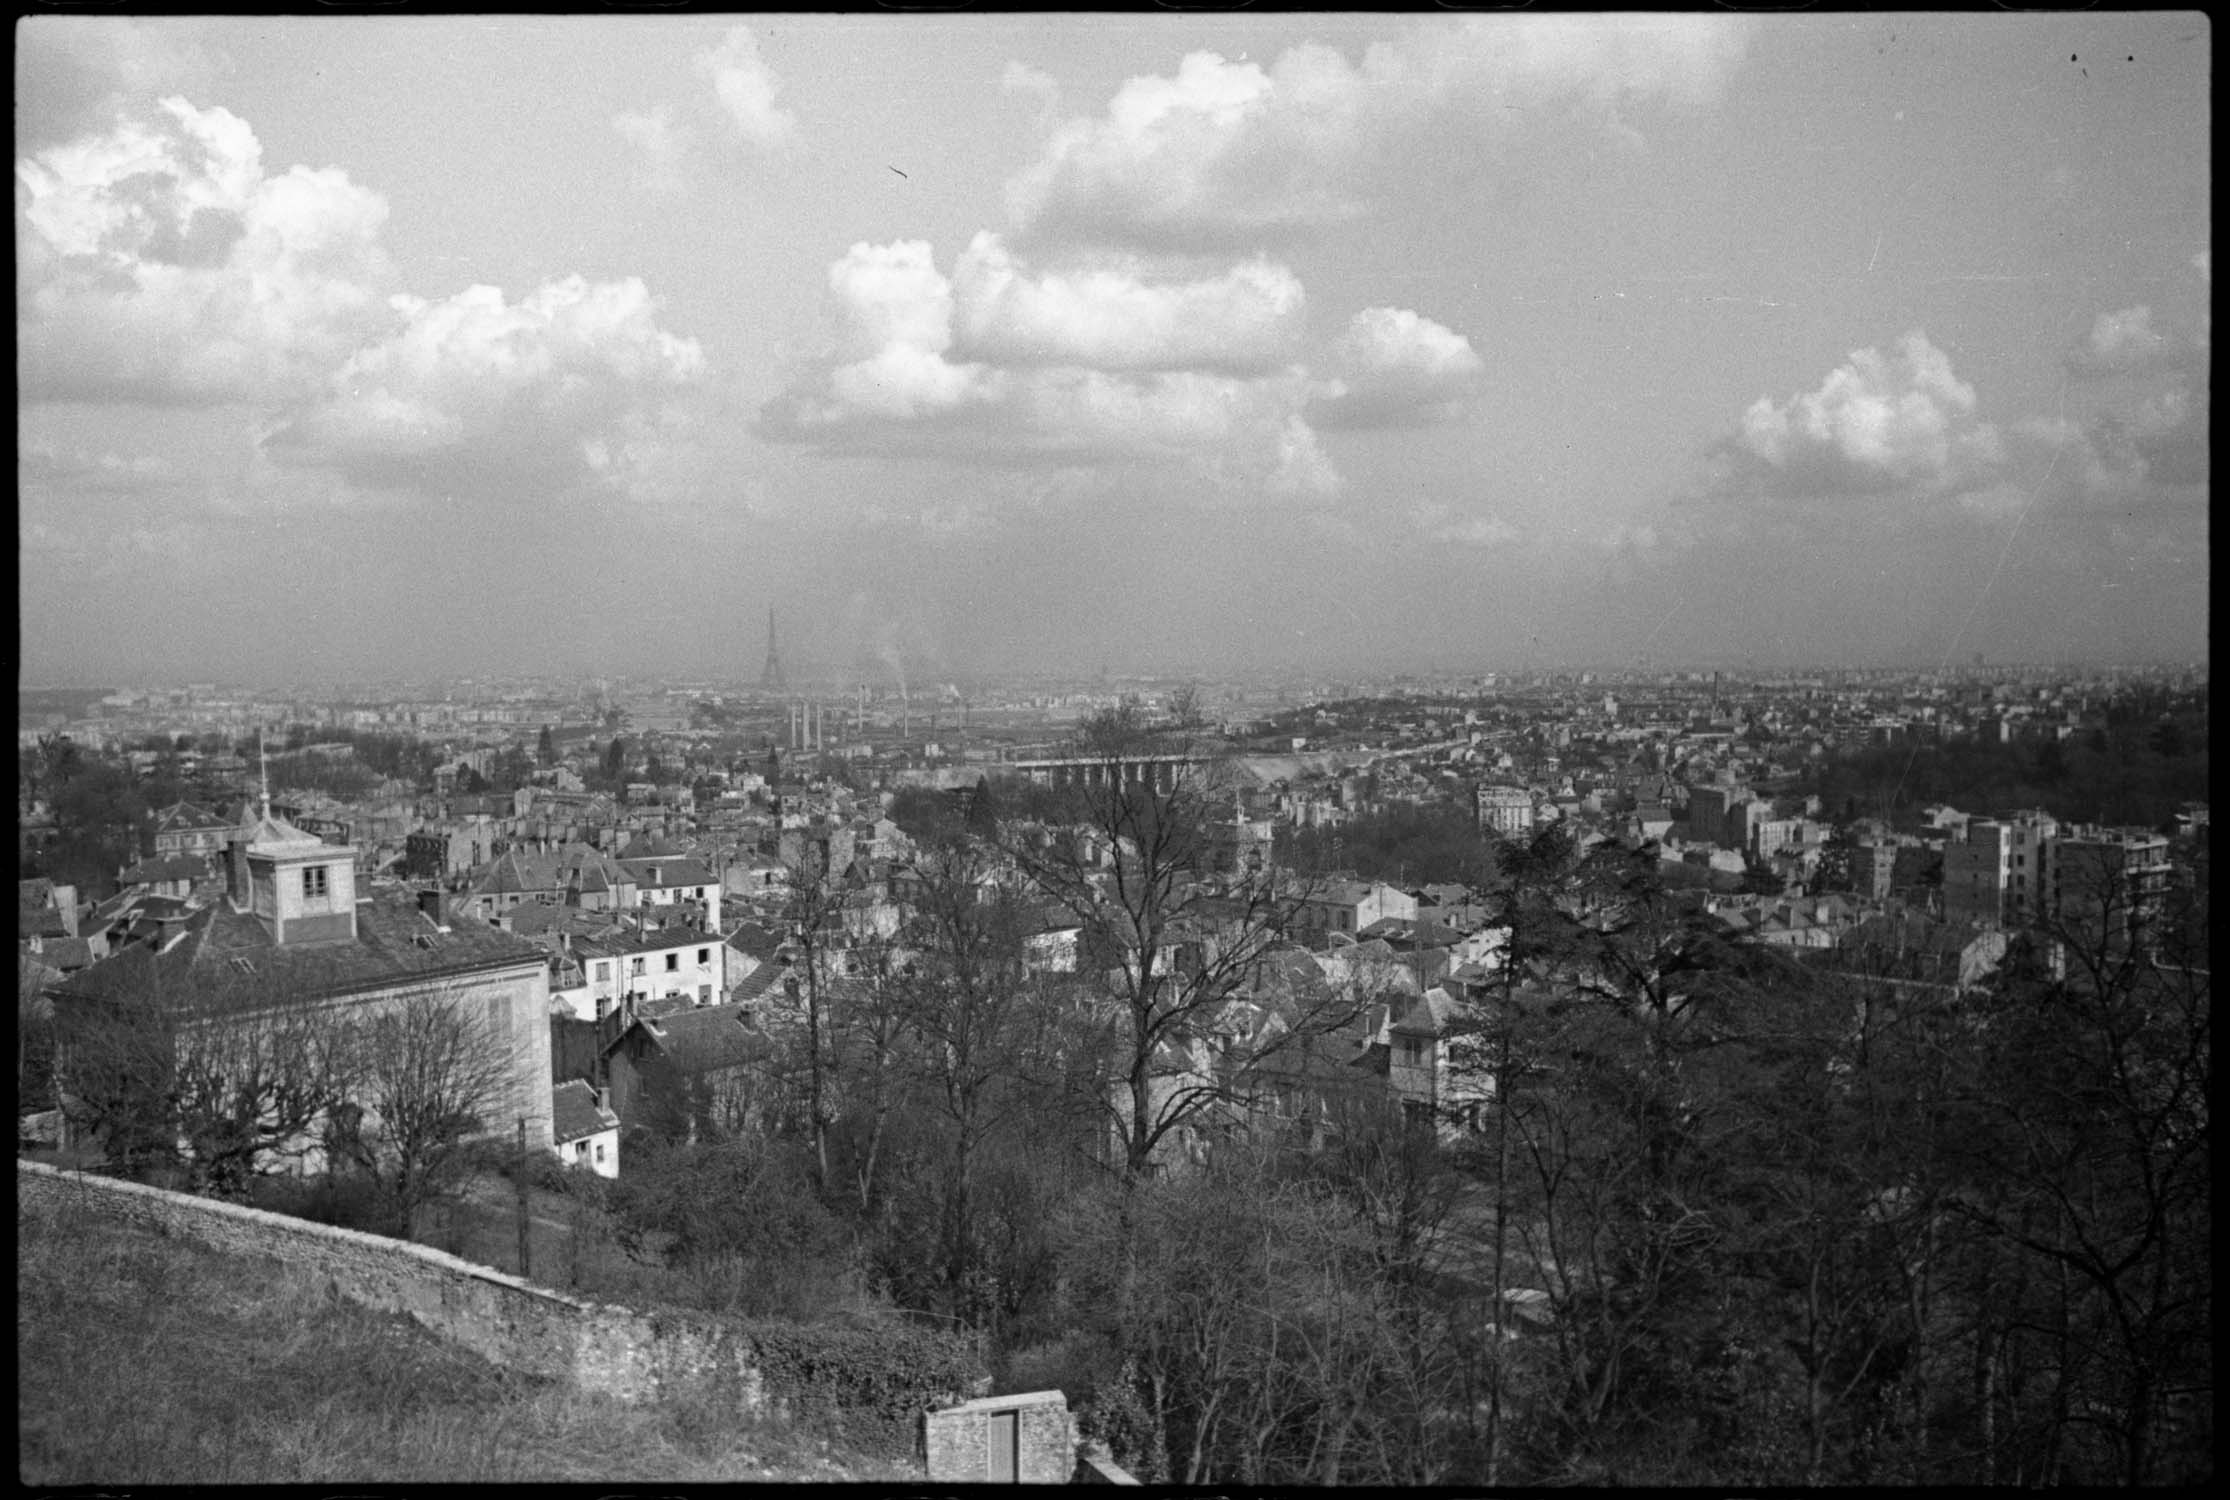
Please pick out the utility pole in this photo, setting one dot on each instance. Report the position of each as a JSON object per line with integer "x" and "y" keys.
{"x": 526, "y": 1268}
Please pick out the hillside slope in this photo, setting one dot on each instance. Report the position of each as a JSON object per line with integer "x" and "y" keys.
{"x": 143, "y": 1359}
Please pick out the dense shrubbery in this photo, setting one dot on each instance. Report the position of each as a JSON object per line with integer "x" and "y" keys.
{"x": 1411, "y": 844}
{"x": 877, "y": 1380}
{"x": 2134, "y": 771}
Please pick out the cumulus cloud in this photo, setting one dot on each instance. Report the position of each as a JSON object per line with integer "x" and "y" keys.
{"x": 1394, "y": 368}
{"x": 746, "y": 87}
{"x": 1884, "y": 422}
{"x": 1247, "y": 320}
{"x": 903, "y": 381}
{"x": 663, "y": 143}
{"x": 75, "y": 74}
{"x": 1229, "y": 154}
{"x": 158, "y": 261}
{"x": 563, "y": 387}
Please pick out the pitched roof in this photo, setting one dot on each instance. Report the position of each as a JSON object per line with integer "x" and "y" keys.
{"x": 664, "y": 872}
{"x": 517, "y": 871}
{"x": 760, "y": 982}
{"x": 575, "y": 1113}
{"x": 707, "y": 1038}
{"x": 648, "y": 940}
{"x": 759, "y": 939}
{"x": 189, "y": 815}
{"x": 167, "y": 868}
{"x": 69, "y": 954}
{"x": 222, "y": 952}
{"x": 659, "y": 846}
{"x": 40, "y": 921}
{"x": 270, "y": 834}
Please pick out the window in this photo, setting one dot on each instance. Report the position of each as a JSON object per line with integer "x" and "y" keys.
{"x": 314, "y": 880}
{"x": 603, "y": 971}
{"x": 673, "y": 962}
{"x": 704, "y": 955}
{"x": 635, "y": 966}
{"x": 1412, "y": 1051}
{"x": 600, "y": 1153}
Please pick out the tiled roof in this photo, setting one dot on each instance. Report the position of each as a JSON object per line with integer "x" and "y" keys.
{"x": 758, "y": 939}
{"x": 189, "y": 815}
{"x": 223, "y": 951}
{"x": 659, "y": 846}
{"x": 169, "y": 868}
{"x": 39, "y": 922}
{"x": 517, "y": 871}
{"x": 575, "y": 1114}
{"x": 670, "y": 871}
{"x": 708, "y": 1038}
{"x": 649, "y": 940}
{"x": 68, "y": 954}
{"x": 759, "y": 983}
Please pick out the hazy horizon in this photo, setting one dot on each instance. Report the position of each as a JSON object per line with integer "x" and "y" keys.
{"x": 397, "y": 347}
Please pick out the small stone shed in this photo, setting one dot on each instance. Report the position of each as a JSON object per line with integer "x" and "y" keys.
{"x": 1022, "y": 1439}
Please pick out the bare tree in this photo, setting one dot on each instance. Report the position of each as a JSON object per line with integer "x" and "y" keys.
{"x": 813, "y": 914}
{"x": 229, "y": 1081}
{"x": 1173, "y": 943}
{"x": 435, "y": 1069}
{"x": 1184, "y": 706}
{"x": 966, "y": 1004}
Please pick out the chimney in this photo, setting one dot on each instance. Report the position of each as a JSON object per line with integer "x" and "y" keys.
{"x": 429, "y": 902}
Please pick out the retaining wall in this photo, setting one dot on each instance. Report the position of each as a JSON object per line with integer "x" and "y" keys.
{"x": 611, "y": 1351}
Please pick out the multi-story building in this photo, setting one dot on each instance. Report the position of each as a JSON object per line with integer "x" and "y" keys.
{"x": 1994, "y": 871}
{"x": 188, "y": 828}
{"x": 1874, "y": 866}
{"x": 1507, "y": 810}
{"x": 2107, "y": 882}
{"x": 651, "y": 963}
{"x": 1714, "y": 815}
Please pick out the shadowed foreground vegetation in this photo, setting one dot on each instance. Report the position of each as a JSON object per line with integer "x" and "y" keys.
{"x": 144, "y": 1359}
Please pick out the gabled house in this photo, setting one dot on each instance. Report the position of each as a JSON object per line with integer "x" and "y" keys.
{"x": 173, "y": 875}
{"x": 190, "y": 828}
{"x": 584, "y": 1127}
{"x": 685, "y": 1072}
{"x": 634, "y": 965}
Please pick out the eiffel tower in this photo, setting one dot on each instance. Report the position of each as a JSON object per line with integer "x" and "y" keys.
{"x": 771, "y": 679}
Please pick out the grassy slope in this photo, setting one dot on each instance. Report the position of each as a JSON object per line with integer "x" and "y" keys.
{"x": 150, "y": 1360}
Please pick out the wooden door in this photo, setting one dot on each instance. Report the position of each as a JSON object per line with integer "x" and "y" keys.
{"x": 1000, "y": 1447}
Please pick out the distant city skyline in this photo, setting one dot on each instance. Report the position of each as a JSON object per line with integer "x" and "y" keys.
{"x": 413, "y": 347}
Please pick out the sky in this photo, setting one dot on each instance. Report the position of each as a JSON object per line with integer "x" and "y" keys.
{"x": 406, "y": 346}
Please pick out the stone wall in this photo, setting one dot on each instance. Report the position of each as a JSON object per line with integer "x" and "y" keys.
{"x": 956, "y": 1441}
{"x": 612, "y": 1351}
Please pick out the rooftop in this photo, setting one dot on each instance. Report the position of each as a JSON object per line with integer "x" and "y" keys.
{"x": 224, "y": 951}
